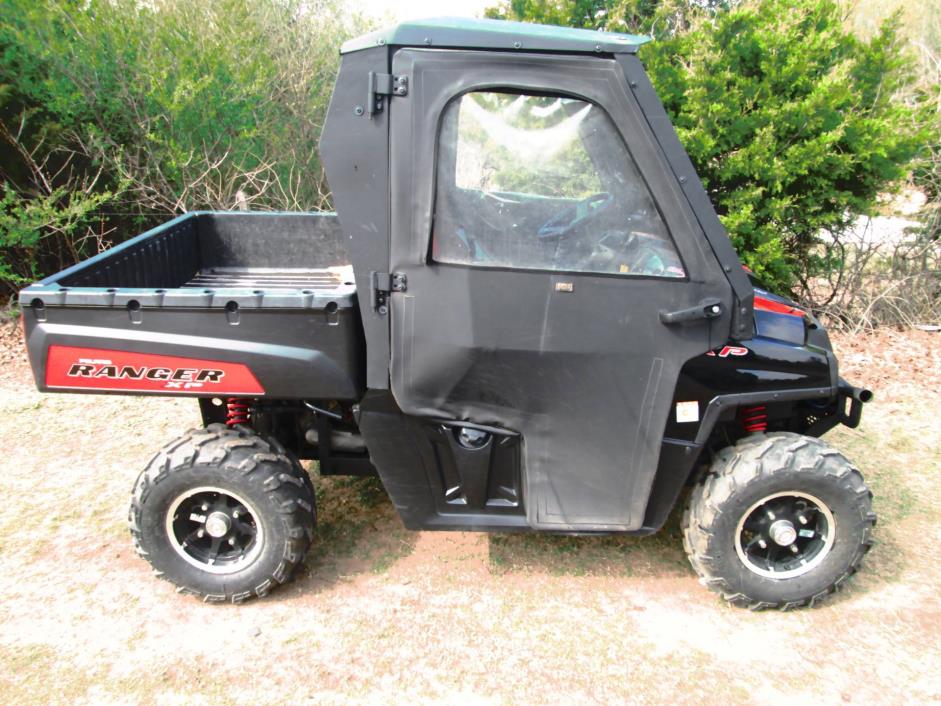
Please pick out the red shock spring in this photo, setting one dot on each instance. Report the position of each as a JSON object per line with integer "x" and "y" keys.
{"x": 238, "y": 411}
{"x": 754, "y": 419}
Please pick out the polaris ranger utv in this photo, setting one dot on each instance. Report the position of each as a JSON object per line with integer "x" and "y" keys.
{"x": 525, "y": 316}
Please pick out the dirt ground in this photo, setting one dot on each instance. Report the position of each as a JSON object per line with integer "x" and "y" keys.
{"x": 382, "y": 615}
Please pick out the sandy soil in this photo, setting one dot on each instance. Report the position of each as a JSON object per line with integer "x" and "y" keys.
{"x": 382, "y": 615}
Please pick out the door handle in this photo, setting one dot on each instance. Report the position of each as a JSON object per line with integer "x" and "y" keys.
{"x": 706, "y": 309}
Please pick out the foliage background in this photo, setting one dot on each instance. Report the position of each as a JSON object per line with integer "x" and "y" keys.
{"x": 116, "y": 114}
{"x": 798, "y": 114}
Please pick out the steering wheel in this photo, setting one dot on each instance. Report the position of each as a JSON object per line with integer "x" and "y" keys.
{"x": 575, "y": 216}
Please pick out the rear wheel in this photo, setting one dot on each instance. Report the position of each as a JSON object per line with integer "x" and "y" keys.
{"x": 223, "y": 513}
{"x": 780, "y": 521}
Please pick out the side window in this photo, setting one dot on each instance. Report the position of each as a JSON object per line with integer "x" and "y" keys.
{"x": 543, "y": 182}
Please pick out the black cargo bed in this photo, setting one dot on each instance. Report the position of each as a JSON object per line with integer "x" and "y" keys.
{"x": 213, "y": 258}
{"x": 272, "y": 292}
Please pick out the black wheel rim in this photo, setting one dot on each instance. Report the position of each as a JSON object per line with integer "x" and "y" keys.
{"x": 214, "y": 529}
{"x": 785, "y": 535}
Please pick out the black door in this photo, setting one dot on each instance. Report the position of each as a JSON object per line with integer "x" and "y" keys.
{"x": 543, "y": 236}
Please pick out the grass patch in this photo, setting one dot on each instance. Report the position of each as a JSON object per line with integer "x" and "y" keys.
{"x": 898, "y": 451}
{"x": 660, "y": 554}
{"x": 356, "y": 518}
{"x": 36, "y": 673}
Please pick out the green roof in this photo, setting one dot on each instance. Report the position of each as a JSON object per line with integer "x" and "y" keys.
{"x": 465, "y": 33}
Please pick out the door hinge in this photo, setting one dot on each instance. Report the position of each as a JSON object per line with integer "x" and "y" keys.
{"x": 383, "y": 284}
{"x": 380, "y": 86}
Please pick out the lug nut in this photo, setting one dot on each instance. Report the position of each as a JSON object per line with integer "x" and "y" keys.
{"x": 783, "y": 533}
{"x": 201, "y": 533}
{"x": 205, "y": 507}
{"x": 770, "y": 515}
{"x": 794, "y": 549}
{"x": 235, "y": 514}
{"x": 802, "y": 519}
{"x": 231, "y": 541}
{"x": 762, "y": 543}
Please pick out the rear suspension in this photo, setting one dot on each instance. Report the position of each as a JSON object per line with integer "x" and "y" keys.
{"x": 238, "y": 411}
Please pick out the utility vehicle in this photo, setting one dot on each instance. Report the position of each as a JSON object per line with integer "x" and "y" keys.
{"x": 524, "y": 316}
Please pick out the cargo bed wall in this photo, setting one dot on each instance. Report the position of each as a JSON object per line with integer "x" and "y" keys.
{"x": 248, "y": 304}
{"x": 167, "y": 259}
{"x": 174, "y": 254}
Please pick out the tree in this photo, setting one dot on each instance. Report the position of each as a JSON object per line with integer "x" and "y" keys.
{"x": 50, "y": 194}
{"x": 633, "y": 16}
{"x": 586, "y": 14}
{"x": 792, "y": 122}
{"x": 155, "y": 108}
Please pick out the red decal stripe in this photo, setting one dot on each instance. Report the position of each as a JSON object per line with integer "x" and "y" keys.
{"x": 73, "y": 368}
{"x": 762, "y": 304}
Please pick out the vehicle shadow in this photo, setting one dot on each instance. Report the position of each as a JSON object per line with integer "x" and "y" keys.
{"x": 358, "y": 532}
{"x": 659, "y": 555}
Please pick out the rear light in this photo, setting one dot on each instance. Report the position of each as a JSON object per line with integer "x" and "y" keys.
{"x": 764, "y": 304}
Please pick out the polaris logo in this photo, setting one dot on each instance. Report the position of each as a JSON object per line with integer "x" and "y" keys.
{"x": 729, "y": 350}
{"x": 128, "y": 372}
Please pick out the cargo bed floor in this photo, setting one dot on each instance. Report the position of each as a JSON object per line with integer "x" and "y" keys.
{"x": 266, "y": 279}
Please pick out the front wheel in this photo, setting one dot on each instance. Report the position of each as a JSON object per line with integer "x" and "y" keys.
{"x": 780, "y": 521}
{"x": 223, "y": 513}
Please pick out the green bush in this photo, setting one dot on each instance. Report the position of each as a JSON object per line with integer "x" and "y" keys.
{"x": 156, "y": 108}
{"x": 794, "y": 125}
{"x": 116, "y": 113}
